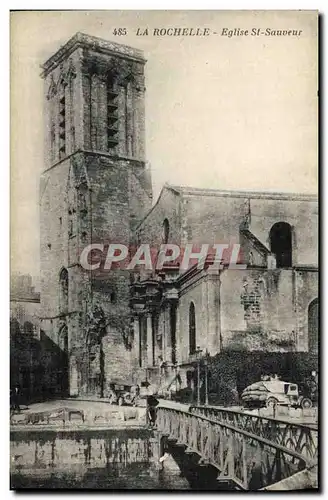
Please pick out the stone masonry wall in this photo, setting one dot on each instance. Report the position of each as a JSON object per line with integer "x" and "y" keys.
{"x": 197, "y": 295}
{"x": 151, "y": 228}
{"x": 306, "y": 290}
{"x": 302, "y": 215}
{"x": 211, "y": 219}
{"x": 258, "y": 309}
{"x": 53, "y": 235}
{"x": 248, "y": 310}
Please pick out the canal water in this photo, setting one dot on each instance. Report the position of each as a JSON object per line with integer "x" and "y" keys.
{"x": 92, "y": 459}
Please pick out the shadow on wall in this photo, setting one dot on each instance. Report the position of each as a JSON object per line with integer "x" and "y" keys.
{"x": 38, "y": 366}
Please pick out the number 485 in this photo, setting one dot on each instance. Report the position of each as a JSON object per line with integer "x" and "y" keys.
{"x": 119, "y": 31}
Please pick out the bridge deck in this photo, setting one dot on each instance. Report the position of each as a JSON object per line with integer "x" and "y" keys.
{"x": 239, "y": 445}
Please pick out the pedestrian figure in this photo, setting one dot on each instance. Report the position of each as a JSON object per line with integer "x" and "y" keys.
{"x": 15, "y": 398}
{"x": 152, "y": 403}
{"x": 11, "y": 401}
{"x": 256, "y": 481}
{"x": 135, "y": 393}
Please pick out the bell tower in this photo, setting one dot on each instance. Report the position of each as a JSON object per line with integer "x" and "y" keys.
{"x": 94, "y": 189}
{"x": 95, "y": 99}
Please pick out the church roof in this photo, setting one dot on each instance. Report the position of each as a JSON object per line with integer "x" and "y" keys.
{"x": 186, "y": 191}
{"x": 193, "y": 191}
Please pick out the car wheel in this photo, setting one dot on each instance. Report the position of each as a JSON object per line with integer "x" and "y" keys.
{"x": 271, "y": 402}
{"x": 306, "y": 403}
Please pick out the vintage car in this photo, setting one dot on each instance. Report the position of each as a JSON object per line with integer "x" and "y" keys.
{"x": 122, "y": 394}
{"x": 274, "y": 392}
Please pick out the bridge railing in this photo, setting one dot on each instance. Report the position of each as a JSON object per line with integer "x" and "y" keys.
{"x": 249, "y": 460}
{"x": 297, "y": 437}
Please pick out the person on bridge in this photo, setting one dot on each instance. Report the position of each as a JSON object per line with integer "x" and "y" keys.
{"x": 256, "y": 482}
{"x": 14, "y": 399}
{"x": 135, "y": 393}
{"x": 152, "y": 404}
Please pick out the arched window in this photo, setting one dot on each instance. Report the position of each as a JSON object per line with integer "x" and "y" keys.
{"x": 313, "y": 325}
{"x": 281, "y": 243}
{"x": 166, "y": 231}
{"x": 63, "y": 283}
{"x": 63, "y": 338}
{"x": 192, "y": 329}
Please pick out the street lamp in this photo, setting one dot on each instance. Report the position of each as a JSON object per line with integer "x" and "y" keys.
{"x": 206, "y": 376}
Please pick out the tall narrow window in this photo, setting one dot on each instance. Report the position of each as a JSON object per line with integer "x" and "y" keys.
{"x": 62, "y": 123}
{"x": 52, "y": 92}
{"x": 52, "y": 130}
{"x": 63, "y": 283}
{"x": 126, "y": 122}
{"x": 153, "y": 338}
{"x": 132, "y": 123}
{"x": 128, "y": 118}
{"x": 140, "y": 351}
{"x": 63, "y": 338}
{"x": 281, "y": 243}
{"x": 166, "y": 231}
{"x": 112, "y": 114}
{"x": 173, "y": 324}
{"x": 71, "y": 107}
{"x": 52, "y": 141}
{"x": 192, "y": 329}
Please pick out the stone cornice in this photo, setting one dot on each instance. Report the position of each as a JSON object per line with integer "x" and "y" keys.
{"x": 93, "y": 43}
{"x": 35, "y": 298}
{"x": 129, "y": 161}
{"x": 252, "y": 195}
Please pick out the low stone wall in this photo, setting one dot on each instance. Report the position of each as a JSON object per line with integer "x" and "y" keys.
{"x": 79, "y": 458}
{"x": 36, "y": 449}
{"x": 75, "y": 417}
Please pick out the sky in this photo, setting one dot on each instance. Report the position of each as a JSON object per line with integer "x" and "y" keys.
{"x": 224, "y": 113}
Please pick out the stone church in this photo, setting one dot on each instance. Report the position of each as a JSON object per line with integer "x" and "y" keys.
{"x": 161, "y": 327}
